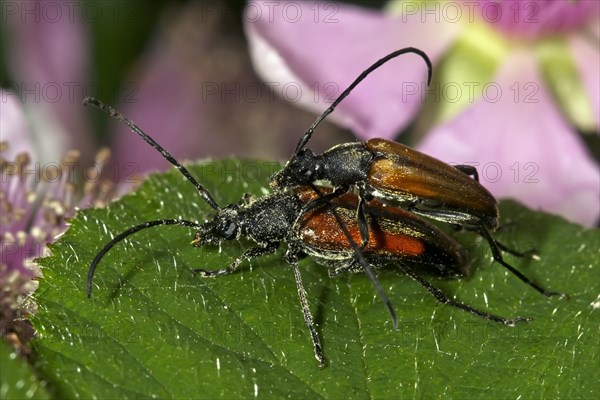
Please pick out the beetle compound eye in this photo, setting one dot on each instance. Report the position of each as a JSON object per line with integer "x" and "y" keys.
{"x": 231, "y": 229}
{"x": 307, "y": 173}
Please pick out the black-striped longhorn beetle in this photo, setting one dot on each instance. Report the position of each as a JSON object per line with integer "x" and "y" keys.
{"x": 329, "y": 235}
{"x": 399, "y": 176}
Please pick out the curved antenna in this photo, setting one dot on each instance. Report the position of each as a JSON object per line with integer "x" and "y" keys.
{"x": 118, "y": 116}
{"x": 121, "y": 236}
{"x": 306, "y": 137}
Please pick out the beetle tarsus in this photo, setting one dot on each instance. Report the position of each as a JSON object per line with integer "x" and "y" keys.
{"x": 513, "y": 321}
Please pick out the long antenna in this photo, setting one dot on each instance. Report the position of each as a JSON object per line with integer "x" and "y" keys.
{"x": 306, "y": 137}
{"x": 118, "y": 116}
{"x": 121, "y": 236}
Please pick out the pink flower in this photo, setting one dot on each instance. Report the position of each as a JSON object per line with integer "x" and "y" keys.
{"x": 514, "y": 82}
{"x": 36, "y": 198}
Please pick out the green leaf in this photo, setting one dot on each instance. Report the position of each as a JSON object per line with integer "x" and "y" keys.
{"x": 152, "y": 329}
{"x": 17, "y": 380}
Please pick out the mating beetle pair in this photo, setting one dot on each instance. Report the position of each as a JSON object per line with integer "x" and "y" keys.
{"x": 345, "y": 232}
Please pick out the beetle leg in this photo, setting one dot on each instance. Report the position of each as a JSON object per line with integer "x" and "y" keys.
{"x": 340, "y": 267}
{"x": 247, "y": 255}
{"x": 363, "y": 226}
{"x": 477, "y": 226}
{"x": 469, "y": 170}
{"x": 292, "y": 259}
{"x": 362, "y": 261}
{"x": 360, "y": 258}
{"x": 364, "y": 195}
{"x": 442, "y": 298}
{"x": 319, "y": 202}
{"x": 322, "y": 200}
{"x": 531, "y": 253}
{"x": 497, "y": 254}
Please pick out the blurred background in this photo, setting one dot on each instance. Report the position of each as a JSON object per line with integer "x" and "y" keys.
{"x": 515, "y": 92}
{"x": 186, "y": 72}
{"x": 179, "y": 69}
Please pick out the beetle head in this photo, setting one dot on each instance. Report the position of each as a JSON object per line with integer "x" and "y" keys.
{"x": 224, "y": 226}
{"x": 300, "y": 170}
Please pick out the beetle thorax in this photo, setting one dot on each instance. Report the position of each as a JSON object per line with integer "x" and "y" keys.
{"x": 345, "y": 164}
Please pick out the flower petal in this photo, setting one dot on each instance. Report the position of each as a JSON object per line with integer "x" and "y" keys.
{"x": 523, "y": 146}
{"x": 535, "y": 18}
{"x": 587, "y": 58}
{"x": 319, "y": 48}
